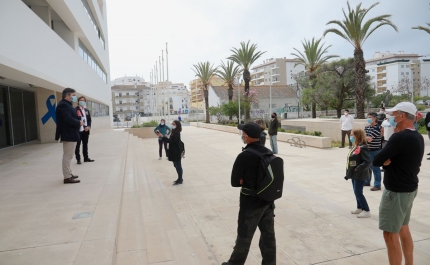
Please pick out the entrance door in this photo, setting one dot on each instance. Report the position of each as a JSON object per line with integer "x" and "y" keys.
{"x": 5, "y": 129}
{"x": 17, "y": 110}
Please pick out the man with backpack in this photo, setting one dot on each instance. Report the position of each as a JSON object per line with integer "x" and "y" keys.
{"x": 260, "y": 175}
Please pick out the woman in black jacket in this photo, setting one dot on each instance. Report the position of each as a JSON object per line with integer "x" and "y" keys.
{"x": 357, "y": 169}
{"x": 175, "y": 149}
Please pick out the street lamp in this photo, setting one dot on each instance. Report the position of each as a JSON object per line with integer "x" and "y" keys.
{"x": 270, "y": 94}
{"x": 412, "y": 67}
{"x": 238, "y": 81}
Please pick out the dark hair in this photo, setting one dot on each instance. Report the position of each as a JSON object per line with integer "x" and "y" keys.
{"x": 67, "y": 91}
{"x": 274, "y": 113}
{"x": 383, "y": 108}
{"x": 373, "y": 114}
{"x": 178, "y": 126}
{"x": 163, "y": 120}
{"x": 82, "y": 97}
{"x": 347, "y": 110}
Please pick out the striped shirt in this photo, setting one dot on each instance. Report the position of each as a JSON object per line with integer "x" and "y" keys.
{"x": 375, "y": 133}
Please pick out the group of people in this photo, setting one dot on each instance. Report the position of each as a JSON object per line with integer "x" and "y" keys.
{"x": 73, "y": 129}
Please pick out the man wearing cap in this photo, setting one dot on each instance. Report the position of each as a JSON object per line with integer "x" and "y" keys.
{"x": 253, "y": 211}
{"x": 401, "y": 159}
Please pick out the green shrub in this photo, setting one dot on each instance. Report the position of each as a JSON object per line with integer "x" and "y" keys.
{"x": 317, "y": 133}
{"x": 420, "y": 107}
{"x": 135, "y": 126}
{"x": 150, "y": 124}
{"x": 281, "y": 130}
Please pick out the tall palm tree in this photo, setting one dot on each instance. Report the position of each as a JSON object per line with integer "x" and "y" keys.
{"x": 228, "y": 72}
{"x": 245, "y": 56}
{"x": 423, "y": 28}
{"x": 356, "y": 31}
{"x": 205, "y": 71}
{"x": 312, "y": 58}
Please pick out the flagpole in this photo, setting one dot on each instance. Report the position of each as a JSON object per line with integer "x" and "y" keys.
{"x": 167, "y": 63}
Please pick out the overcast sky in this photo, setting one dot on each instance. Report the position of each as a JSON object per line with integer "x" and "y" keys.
{"x": 203, "y": 30}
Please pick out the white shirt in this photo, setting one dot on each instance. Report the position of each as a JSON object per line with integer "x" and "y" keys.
{"x": 83, "y": 117}
{"x": 347, "y": 122}
{"x": 388, "y": 129}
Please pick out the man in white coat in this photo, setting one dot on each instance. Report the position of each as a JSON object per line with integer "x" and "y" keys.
{"x": 346, "y": 124}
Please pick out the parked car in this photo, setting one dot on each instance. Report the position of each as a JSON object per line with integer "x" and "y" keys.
{"x": 116, "y": 119}
{"x": 128, "y": 118}
{"x": 420, "y": 102}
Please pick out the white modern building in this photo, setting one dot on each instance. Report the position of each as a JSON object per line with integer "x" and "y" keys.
{"x": 278, "y": 71}
{"x": 170, "y": 98}
{"x": 391, "y": 71}
{"x": 48, "y": 45}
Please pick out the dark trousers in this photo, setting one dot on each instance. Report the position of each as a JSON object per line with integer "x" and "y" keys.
{"x": 357, "y": 186}
{"x": 343, "y": 137}
{"x": 178, "y": 166}
{"x": 84, "y": 139}
{"x": 160, "y": 149}
{"x": 249, "y": 219}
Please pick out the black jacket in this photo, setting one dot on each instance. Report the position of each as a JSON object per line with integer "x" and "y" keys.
{"x": 427, "y": 120}
{"x": 68, "y": 122}
{"x": 358, "y": 164}
{"x": 273, "y": 127}
{"x": 87, "y": 114}
{"x": 263, "y": 137}
{"x": 174, "y": 149}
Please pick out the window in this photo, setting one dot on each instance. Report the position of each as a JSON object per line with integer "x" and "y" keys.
{"x": 407, "y": 73}
{"x": 373, "y": 70}
{"x": 93, "y": 22}
{"x": 273, "y": 105}
{"x": 402, "y": 73}
{"x": 91, "y": 61}
{"x": 403, "y": 66}
{"x": 407, "y": 66}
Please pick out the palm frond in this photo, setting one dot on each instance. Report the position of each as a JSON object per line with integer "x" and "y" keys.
{"x": 204, "y": 71}
{"x": 228, "y": 71}
{"x": 246, "y": 55}
{"x": 423, "y": 28}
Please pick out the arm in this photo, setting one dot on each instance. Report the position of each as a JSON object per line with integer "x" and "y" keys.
{"x": 155, "y": 129}
{"x": 168, "y": 129}
{"x": 88, "y": 118}
{"x": 174, "y": 138}
{"x": 391, "y": 149}
{"x": 365, "y": 157}
{"x": 67, "y": 117}
{"x": 237, "y": 171}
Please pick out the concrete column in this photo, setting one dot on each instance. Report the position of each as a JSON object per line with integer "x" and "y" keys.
{"x": 46, "y": 102}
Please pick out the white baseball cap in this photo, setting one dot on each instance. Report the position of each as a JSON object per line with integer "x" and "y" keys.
{"x": 407, "y": 107}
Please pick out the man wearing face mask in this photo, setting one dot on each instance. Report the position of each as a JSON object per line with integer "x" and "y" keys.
{"x": 273, "y": 133}
{"x": 84, "y": 131}
{"x": 401, "y": 159}
{"x": 67, "y": 131}
{"x": 346, "y": 124}
{"x": 253, "y": 211}
{"x": 373, "y": 137}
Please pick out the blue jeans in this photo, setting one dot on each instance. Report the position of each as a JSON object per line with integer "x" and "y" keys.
{"x": 376, "y": 170}
{"x": 178, "y": 166}
{"x": 357, "y": 186}
{"x": 273, "y": 143}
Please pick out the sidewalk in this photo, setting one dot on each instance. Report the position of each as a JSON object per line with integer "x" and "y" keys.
{"x": 127, "y": 211}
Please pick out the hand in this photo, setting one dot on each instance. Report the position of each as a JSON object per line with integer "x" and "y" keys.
{"x": 369, "y": 139}
{"x": 387, "y": 163}
{"x": 241, "y": 182}
{"x": 87, "y": 129}
{"x": 81, "y": 123}
{"x": 159, "y": 134}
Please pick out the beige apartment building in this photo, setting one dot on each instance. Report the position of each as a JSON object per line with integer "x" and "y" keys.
{"x": 196, "y": 96}
{"x": 278, "y": 71}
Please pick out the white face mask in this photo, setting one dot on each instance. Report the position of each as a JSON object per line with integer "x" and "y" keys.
{"x": 346, "y": 113}
{"x": 173, "y": 126}
{"x": 243, "y": 139}
{"x": 162, "y": 123}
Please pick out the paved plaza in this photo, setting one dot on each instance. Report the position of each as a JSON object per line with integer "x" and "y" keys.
{"x": 125, "y": 211}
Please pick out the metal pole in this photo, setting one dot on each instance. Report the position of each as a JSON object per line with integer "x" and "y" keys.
{"x": 238, "y": 95}
{"x": 162, "y": 58}
{"x": 197, "y": 100}
{"x": 270, "y": 95}
{"x": 167, "y": 63}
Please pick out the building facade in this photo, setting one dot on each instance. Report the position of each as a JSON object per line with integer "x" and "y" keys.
{"x": 278, "y": 71}
{"x": 48, "y": 45}
{"x": 196, "y": 92}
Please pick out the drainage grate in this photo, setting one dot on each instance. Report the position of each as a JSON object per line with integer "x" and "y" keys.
{"x": 83, "y": 215}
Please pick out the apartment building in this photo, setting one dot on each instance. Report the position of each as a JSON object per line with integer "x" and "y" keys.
{"x": 48, "y": 45}
{"x": 196, "y": 93}
{"x": 278, "y": 71}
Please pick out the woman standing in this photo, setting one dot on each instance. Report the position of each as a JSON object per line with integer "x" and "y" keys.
{"x": 175, "y": 149}
{"x": 164, "y": 130}
{"x": 357, "y": 169}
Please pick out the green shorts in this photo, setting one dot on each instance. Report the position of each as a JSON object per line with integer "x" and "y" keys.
{"x": 395, "y": 210}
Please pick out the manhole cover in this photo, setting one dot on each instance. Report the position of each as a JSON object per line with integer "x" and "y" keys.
{"x": 83, "y": 215}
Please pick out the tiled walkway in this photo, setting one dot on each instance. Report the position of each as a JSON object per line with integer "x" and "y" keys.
{"x": 135, "y": 215}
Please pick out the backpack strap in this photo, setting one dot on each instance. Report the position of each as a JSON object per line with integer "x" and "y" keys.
{"x": 259, "y": 154}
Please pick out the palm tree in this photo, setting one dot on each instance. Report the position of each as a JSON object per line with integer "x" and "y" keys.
{"x": 205, "y": 71}
{"x": 423, "y": 28}
{"x": 356, "y": 31}
{"x": 245, "y": 56}
{"x": 312, "y": 58}
{"x": 228, "y": 73}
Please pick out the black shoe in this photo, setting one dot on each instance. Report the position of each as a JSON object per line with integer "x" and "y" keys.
{"x": 366, "y": 184}
{"x": 79, "y": 162}
{"x": 74, "y": 177}
{"x": 71, "y": 181}
{"x": 177, "y": 182}
{"x": 88, "y": 160}
{"x": 341, "y": 146}
{"x": 428, "y": 154}
{"x": 224, "y": 263}
{"x": 428, "y": 158}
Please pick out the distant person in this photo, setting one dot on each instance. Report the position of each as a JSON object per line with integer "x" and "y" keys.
{"x": 401, "y": 159}
{"x": 164, "y": 131}
{"x": 382, "y": 104}
{"x": 253, "y": 212}
{"x": 179, "y": 118}
{"x": 381, "y": 116}
{"x": 418, "y": 117}
{"x": 346, "y": 125}
{"x": 357, "y": 169}
{"x": 387, "y": 131}
{"x": 427, "y": 122}
{"x": 175, "y": 149}
{"x": 67, "y": 131}
{"x": 273, "y": 132}
{"x": 263, "y": 133}
{"x": 373, "y": 137}
{"x": 84, "y": 131}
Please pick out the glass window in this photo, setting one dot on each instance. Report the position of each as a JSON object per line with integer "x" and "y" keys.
{"x": 5, "y": 126}
{"x": 17, "y": 114}
{"x": 29, "y": 100}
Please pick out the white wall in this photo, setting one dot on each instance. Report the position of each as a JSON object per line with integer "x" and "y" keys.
{"x": 291, "y": 70}
{"x": 214, "y": 100}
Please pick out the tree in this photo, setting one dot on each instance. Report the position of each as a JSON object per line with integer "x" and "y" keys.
{"x": 228, "y": 72}
{"x": 245, "y": 56}
{"x": 356, "y": 31}
{"x": 216, "y": 111}
{"x": 312, "y": 58}
{"x": 302, "y": 82}
{"x": 205, "y": 71}
{"x": 423, "y": 28}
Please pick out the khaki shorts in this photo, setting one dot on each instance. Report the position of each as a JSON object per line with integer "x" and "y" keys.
{"x": 395, "y": 210}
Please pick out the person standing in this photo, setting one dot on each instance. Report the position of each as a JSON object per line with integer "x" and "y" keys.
{"x": 401, "y": 159}
{"x": 427, "y": 122}
{"x": 346, "y": 124}
{"x": 387, "y": 131}
{"x": 84, "y": 131}
{"x": 164, "y": 130}
{"x": 273, "y": 132}
{"x": 67, "y": 131}
{"x": 357, "y": 169}
{"x": 373, "y": 137}
{"x": 175, "y": 149}
{"x": 253, "y": 212}
{"x": 263, "y": 133}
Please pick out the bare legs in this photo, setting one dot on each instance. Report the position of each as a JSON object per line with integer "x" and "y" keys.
{"x": 395, "y": 250}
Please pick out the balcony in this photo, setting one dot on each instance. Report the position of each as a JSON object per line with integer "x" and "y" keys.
{"x": 258, "y": 78}
{"x": 257, "y": 71}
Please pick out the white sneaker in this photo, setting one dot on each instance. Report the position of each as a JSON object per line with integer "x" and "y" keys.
{"x": 356, "y": 211}
{"x": 364, "y": 214}
{"x": 160, "y": 158}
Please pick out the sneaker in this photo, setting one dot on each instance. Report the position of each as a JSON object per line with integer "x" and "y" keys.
{"x": 428, "y": 154}
{"x": 160, "y": 158}
{"x": 375, "y": 189}
{"x": 167, "y": 158}
{"x": 356, "y": 211}
{"x": 364, "y": 214}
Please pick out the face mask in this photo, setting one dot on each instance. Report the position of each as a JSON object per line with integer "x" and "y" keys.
{"x": 74, "y": 99}
{"x": 162, "y": 123}
{"x": 352, "y": 139}
{"x": 173, "y": 126}
{"x": 243, "y": 139}
{"x": 370, "y": 120}
{"x": 82, "y": 103}
{"x": 392, "y": 122}
{"x": 346, "y": 113}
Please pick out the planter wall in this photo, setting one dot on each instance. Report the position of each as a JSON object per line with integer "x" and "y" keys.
{"x": 144, "y": 133}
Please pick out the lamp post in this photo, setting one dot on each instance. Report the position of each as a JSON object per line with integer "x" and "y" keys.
{"x": 412, "y": 67}
{"x": 270, "y": 95}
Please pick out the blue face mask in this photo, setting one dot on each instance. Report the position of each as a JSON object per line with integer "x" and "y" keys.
{"x": 392, "y": 122}
{"x": 82, "y": 103}
{"x": 352, "y": 139}
{"x": 370, "y": 120}
{"x": 74, "y": 99}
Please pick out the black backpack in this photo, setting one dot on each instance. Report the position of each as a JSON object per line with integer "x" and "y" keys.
{"x": 270, "y": 181}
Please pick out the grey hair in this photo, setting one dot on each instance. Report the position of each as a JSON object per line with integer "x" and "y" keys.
{"x": 409, "y": 116}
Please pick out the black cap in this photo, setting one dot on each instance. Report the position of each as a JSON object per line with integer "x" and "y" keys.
{"x": 252, "y": 129}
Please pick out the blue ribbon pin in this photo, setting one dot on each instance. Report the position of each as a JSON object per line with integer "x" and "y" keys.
{"x": 51, "y": 110}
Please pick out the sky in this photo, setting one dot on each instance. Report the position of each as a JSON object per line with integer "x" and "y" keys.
{"x": 202, "y": 30}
